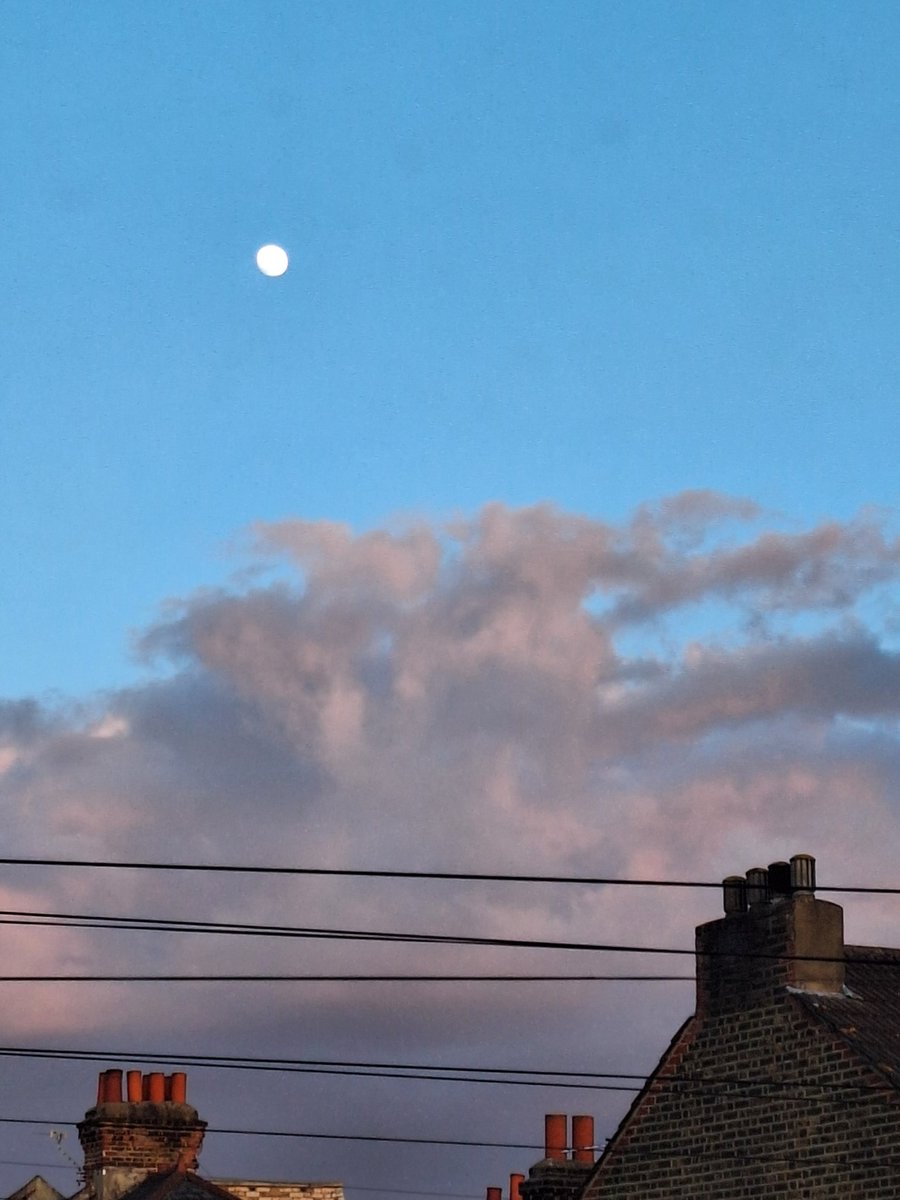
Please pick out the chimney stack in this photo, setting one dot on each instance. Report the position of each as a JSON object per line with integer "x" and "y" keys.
{"x": 559, "y": 1175}
{"x": 775, "y": 934}
{"x": 154, "y": 1129}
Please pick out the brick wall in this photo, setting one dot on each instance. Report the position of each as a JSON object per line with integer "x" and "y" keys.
{"x": 265, "y": 1190}
{"x": 555, "y": 1179}
{"x": 811, "y": 1134}
{"x": 123, "y": 1142}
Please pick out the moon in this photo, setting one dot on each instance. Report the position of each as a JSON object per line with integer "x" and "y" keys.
{"x": 272, "y": 260}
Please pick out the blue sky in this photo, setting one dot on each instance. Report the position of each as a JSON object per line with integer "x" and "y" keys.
{"x": 591, "y": 254}
{"x": 542, "y": 517}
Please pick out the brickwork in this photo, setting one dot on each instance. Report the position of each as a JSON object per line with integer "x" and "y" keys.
{"x": 265, "y": 1190}
{"x": 759, "y": 1096}
{"x": 123, "y": 1142}
{"x": 555, "y": 1179}
{"x": 739, "y": 961}
{"x": 815, "y": 1133}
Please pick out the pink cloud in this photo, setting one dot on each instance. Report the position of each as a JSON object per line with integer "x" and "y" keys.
{"x": 492, "y": 694}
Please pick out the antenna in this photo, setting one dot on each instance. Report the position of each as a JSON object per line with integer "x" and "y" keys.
{"x": 58, "y": 1137}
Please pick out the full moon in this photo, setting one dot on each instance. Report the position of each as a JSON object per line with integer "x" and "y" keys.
{"x": 272, "y": 260}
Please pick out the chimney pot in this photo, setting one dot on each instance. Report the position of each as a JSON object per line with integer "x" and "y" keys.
{"x": 734, "y": 894}
{"x": 757, "y": 886}
{"x": 515, "y": 1182}
{"x": 555, "y": 1135}
{"x": 780, "y": 879}
{"x": 113, "y": 1091}
{"x": 803, "y": 873}
{"x": 178, "y": 1087}
{"x": 583, "y": 1139}
{"x": 156, "y": 1092}
{"x": 494, "y": 1193}
{"x": 135, "y": 1090}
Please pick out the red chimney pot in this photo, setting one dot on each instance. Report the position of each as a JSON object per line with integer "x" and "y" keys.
{"x": 583, "y": 1139}
{"x": 555, "y": 1135}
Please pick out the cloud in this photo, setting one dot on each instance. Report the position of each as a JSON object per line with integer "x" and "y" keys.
{"x": 524, "y": 691}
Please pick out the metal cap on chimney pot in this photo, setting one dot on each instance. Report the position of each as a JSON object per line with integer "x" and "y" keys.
{"x": 780, "y": 879}
{"x": 734, "y": 894}
{"x": 803, "y": 873}
{"x": 757, "y": 886}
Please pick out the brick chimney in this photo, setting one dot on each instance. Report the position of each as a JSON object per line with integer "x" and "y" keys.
{"x": 152, "y": 1128}
{"x": 775, "y": 934}
{"x": 559, "y": 1176}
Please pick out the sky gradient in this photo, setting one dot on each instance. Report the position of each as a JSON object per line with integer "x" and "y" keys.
{"x": 542, "y": 518}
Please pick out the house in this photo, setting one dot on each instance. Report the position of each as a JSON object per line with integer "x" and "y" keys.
{"x": 786, "y": 1080}
{"x": 145, "y": 1144}
{"x": 784, "y": 1084}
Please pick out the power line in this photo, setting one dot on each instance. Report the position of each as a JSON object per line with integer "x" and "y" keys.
{"x": 175, "y": 925}
{"x": 167, "y": 925}
{"x": 248, "y": 1062}
{"x": 450, "y": 1074}
{"x": 364, "y": 1071}
{"x": 343, "y": 872}
{"x": 44, "y": 1166}
{"x": 328, "y": 1137}
{"x": 809, "y": 1159}
{"x": 371, "y": 873}
{"x": 283, "y": 978}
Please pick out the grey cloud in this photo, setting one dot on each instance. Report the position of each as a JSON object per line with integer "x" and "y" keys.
{"x": 827, "y": 677}
{"x": 827, "y": 568}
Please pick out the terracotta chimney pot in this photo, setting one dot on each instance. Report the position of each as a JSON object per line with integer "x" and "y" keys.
{"x": 583, "y": 1139}
{"x": 555, "y": 1135}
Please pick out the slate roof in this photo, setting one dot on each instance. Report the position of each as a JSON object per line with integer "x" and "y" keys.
{"x": 37, "y": 1188}
{"x": 176, "y": 1184}
{"x": 867, "y": 1015}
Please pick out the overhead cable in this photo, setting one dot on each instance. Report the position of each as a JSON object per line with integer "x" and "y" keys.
{"x": 372, "y": 873}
